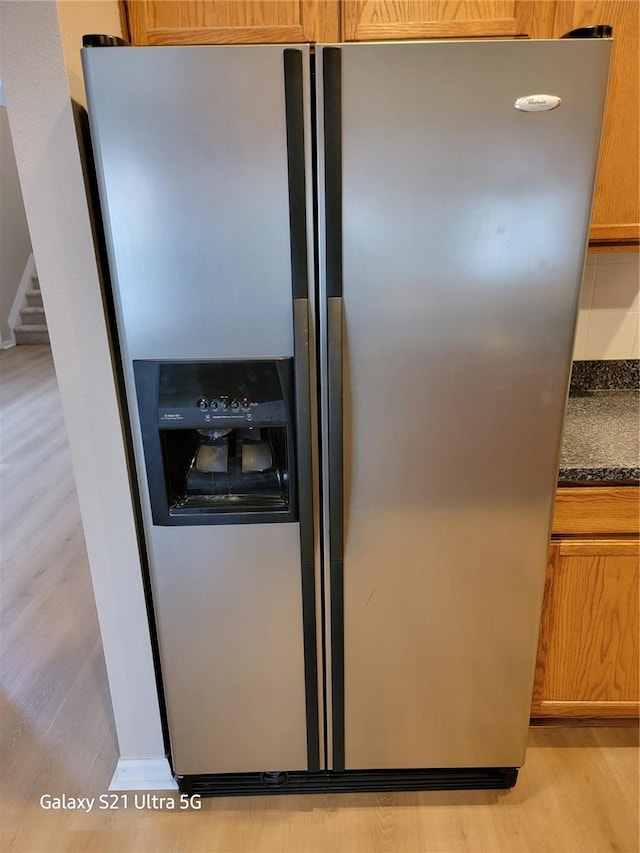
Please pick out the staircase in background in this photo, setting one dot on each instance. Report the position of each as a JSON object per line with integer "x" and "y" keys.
{"x": 33, "y": 323}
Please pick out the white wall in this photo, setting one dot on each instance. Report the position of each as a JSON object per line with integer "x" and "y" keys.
{"x": 608, "y": 322}
{"x": 15, "y": 245}
{"x": 77, "y": 18}
{"x": 42, "y": 128}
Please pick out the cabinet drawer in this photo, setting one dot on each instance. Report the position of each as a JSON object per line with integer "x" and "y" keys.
{"x": 596, "y": 510}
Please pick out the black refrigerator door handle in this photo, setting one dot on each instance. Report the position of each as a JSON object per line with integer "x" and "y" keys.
{"x": 295, "y": 128}
{"x": 336, "y": 470}
{"x": 332, "y": 119}
{"x": 305, "y": 516}
{"x": 335, "y": 322}
{"x": 332, "y": 115}
{"x": 303, "y": 426}
{"x": 294, "y": 115}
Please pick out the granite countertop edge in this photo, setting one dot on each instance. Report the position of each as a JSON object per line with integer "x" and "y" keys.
{"x": 612, "y": 476}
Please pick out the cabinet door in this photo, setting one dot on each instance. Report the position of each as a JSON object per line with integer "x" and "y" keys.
{"x": 616, "y": 212}
{"x": 158, "y": 22}
{"x": 364, "y": 20}
{"x": 588, "y": 650}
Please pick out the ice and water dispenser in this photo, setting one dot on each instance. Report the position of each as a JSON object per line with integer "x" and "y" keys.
{"x": 218, "y": 440}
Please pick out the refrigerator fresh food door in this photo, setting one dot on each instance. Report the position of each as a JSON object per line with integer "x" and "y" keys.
{"x": 201, "y": 157}
{"x": 453, "y": 228}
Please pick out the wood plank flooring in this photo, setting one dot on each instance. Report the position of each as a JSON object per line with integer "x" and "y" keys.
{"x": 578, "y": 792}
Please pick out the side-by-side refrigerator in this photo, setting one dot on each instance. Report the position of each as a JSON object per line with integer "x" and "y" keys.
{"x": 345, "y": 287}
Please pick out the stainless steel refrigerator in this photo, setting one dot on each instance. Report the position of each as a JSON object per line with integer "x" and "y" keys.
{"x": 345, "y": 288}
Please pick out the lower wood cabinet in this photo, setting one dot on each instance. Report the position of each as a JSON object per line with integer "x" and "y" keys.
{"x": 587, "y": 666}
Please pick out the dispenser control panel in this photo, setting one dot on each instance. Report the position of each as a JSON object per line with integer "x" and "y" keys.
{"x": 205, "y": 394}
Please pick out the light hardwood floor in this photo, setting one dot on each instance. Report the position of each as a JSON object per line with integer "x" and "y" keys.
{"x": 578, "y": 791}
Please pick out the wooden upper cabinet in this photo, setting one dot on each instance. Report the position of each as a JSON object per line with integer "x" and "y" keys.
{"x": 616, "y": 212}
{"x": 365, "y": 20}
{"x": 162, "y": 22}
{"x": 158, "y": 22}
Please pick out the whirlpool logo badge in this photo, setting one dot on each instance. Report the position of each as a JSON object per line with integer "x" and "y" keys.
{"x": 538, "y": 103}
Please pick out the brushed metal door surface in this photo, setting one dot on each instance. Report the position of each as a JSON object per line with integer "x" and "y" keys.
{"x": 190, "y": 147}
{"x": 191, "y": 156}
{"x": 464, "y": 230}
{"x": 229, "y": 618}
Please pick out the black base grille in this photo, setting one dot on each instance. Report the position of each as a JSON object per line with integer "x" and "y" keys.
{"x": 251, "y": 784}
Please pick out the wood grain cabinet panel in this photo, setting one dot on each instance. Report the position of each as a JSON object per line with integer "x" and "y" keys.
{"x": 165, "y": 22}
{"x": 588, "y": 650}
{"x": 616, "y": 212}
{"x": 364, "y": 20}
{"x": 596, "y": 510}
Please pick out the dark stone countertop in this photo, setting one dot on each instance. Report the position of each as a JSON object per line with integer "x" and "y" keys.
{"x": 601, "y": 437}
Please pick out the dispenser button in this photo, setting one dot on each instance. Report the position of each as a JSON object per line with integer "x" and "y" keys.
{"x": 214, "y": 405}
{"x": 245, "y": 404}
{"x": 224, "y": 405}
{"x": 235, "y": 404}
{"x": 202, "y": 403}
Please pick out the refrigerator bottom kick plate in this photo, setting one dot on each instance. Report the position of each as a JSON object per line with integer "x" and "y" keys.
{"x": 252, "y": 784}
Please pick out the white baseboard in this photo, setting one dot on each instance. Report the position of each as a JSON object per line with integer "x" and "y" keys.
{"x": 143, "y": 774}
{"x": 14, "y": 314}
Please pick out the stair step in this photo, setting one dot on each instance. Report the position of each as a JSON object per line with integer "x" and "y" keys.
{"x": 34, "y": 298}
{"x": 36, "y": 281}
{"x": 33, "y": 314}
{"x": 31, "y": 333}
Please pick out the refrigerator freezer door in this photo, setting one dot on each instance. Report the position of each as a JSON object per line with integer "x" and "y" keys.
{"x": 464, "y": 226}
{"x": 191, "y": 150}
